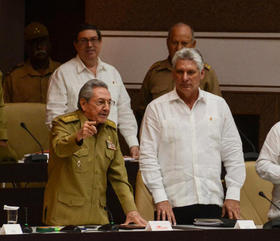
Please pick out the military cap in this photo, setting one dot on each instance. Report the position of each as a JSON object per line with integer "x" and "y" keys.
{"x": 35, "y": 30}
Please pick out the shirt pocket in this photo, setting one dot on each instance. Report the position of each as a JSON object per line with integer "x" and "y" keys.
{"x": 70, "y": 209}
{"x": 171, "y": 131}
{"x": 214, "y": 131}
{"x": 213, "y": 182}
{"x": 70, "y": 200}
{"x": 115, "y": 90}
{"x": 80, "y": 161}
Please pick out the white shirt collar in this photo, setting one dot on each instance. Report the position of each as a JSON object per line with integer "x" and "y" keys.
{"x": 174, "y": 95}
{"x": 81, "y": 66}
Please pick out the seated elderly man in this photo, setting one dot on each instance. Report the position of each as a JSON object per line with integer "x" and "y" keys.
{"x": 186, "y": 135}
{"x": 84, "y": 152}
{"x": 268, "y": 166}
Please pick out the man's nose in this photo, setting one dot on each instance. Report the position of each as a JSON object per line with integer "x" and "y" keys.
{"x": 89, "y": 43}
{"x": 179, "y": 46}
{"x": 40, "y": 45}
{"x": 185, "y": 76}
{"x": 106, "y": 106}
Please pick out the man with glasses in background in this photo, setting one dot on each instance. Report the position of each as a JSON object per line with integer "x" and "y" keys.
{"x": 71, "y": 76}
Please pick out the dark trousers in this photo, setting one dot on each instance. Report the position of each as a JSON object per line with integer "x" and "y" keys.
{"x": 187, "y": 214}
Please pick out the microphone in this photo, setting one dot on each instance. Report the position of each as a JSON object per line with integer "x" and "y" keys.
{"x": 275, "y": 222}
{"x": 111, "y": 226}
{"x": 265, "y": 197}
{"x": 25, "y": 227}
{"x": 253, "y": 155}
{"x": 34, "y": 157}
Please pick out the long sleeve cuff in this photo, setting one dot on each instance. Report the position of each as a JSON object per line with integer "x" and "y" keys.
{"x": 159, "y": 195}
{"x": 233, "y": 193}
{"x": 129, "y": 206}
{"x": 131, "y": 141}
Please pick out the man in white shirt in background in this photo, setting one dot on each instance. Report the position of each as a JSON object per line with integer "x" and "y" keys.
{"x": 68, "y": 79}
{"x": 186, "y": 135}
{"x": 268, "y": 166}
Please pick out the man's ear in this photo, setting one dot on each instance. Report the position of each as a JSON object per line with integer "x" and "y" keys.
{"x": 193, "y": 43}
{"x": 202, "y": 74}
{"x": 83, "y": 103}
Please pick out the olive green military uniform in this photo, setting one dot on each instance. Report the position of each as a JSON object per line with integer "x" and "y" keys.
{"x": 6, "y": 152}
{"x": 25, "y": 84}
{"x": 159, "y": 81}
{"x": 76, "y": 189}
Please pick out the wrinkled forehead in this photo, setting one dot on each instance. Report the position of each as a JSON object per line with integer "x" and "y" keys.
{"x": 181, "y": 31}
{"x": 88, "y": 33}
{"x": 101, "y": 93}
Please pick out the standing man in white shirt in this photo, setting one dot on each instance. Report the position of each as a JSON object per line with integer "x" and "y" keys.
{"x": 68, "y": 79}
{"x": 186, "y": 135}
{"x": 268, "y": 166}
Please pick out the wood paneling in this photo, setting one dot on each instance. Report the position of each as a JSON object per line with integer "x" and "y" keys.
{"x": 264, "y": 104}
{"x": 60, "y": 17}
{"x": 203, "y": 15}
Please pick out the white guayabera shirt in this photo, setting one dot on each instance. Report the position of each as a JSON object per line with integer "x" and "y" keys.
{"x": 268, "y": 166}
{"x": 66, "y": 82}
{"x": 182, "y": 150}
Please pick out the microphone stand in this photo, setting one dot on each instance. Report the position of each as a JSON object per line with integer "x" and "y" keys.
{"x": 111, "y": 226}
{"x": 36, "y": 157}
{"x": 265, "y": 197}
{"x": 275, "y": 222}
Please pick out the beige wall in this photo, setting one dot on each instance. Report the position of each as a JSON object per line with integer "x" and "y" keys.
{"x": 243, "y": 61}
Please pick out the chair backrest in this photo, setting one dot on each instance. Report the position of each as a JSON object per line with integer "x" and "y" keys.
{"x": 33, "y": 115}
{"x": 253, "y": 206}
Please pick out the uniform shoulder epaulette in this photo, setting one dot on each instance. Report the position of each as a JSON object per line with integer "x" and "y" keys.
{"x": 111, "y": 124}
{"x": 14, "y": 68}
{"x": 207, "y": 66}
{"x": 70, "y": 117}
{"x": 155, "y": 65}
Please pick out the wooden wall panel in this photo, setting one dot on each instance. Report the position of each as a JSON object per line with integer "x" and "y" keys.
{"x": 266, "y": 105}
{"x": 60, "y": 17}
{"x": 203, "y": 15}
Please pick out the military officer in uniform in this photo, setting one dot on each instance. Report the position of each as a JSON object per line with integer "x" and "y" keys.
{"x": 84, "y": 152}
{"x": 6, "y": 153}
{"x": 28, "y": 82}
{"x": 159, "y": 81}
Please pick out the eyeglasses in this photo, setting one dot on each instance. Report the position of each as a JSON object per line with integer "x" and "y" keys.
{"x": 184, "y": 44}
{"x": 102, "y": 102}
{"x": 85, "y": 41}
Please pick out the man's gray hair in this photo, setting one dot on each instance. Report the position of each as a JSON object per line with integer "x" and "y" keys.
{"x": 86, "y": 91}
{"x": 189, "y": 54}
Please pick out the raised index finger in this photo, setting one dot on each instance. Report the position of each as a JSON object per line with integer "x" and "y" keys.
{"x": 91, "y": 123}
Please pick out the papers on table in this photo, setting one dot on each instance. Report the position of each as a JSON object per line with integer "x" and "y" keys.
{"x": 208, "y": 222}
{"x": 130, "y": 159}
